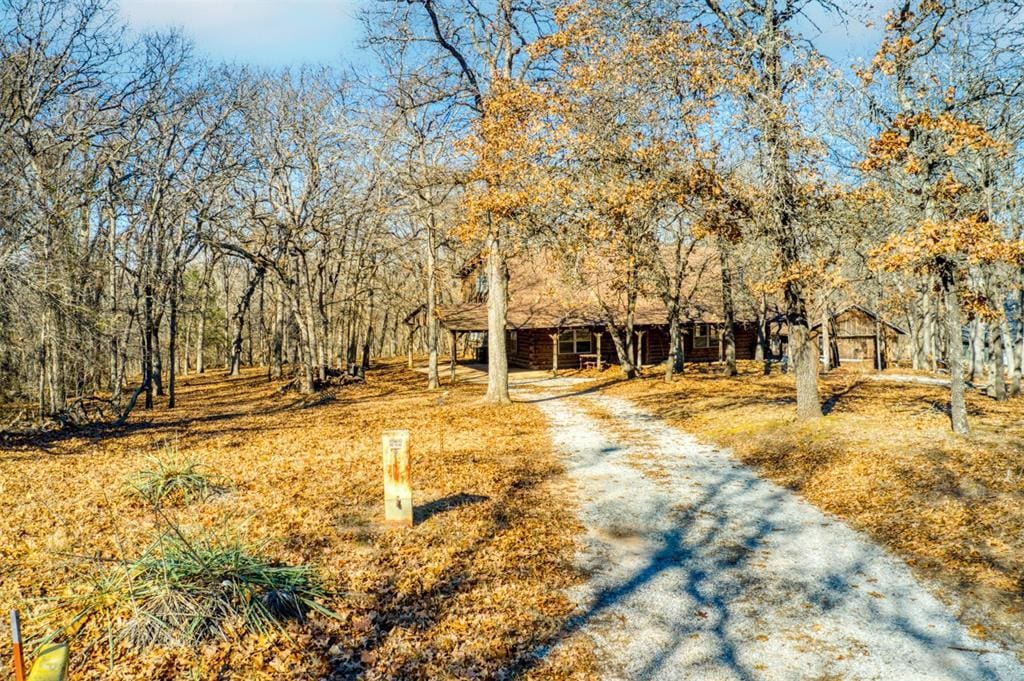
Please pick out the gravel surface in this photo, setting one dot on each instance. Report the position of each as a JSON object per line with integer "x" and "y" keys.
{"x": 702, "y": 570}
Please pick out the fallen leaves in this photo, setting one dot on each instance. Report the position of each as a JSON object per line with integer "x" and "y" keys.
{"x": 475, "y": 590}
{"x": 883, "y": 460}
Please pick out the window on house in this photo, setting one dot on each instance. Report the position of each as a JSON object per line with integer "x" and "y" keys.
{"x": 480, "y": 288}
{"x": 574, "y": 342}
{"x": 704, "y": 336}
{"x": 513, "y": 342}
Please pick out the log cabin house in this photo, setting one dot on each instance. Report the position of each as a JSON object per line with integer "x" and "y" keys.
{"x": 556, "y": 325}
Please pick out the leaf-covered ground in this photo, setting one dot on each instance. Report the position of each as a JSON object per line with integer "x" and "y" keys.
{"x": 473, "y": 591}
{"x": 883, "y": 459}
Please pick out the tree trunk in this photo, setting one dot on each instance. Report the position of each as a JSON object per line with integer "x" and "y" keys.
{"x": 916, "y": 322}
{"x": 622, "y": 341}
{"x": 622, "y": 337}
{"x": 764, "y": 337}
{"x": 782, "y": 227}
{"x": 954, "y": 348}
{"x": 277, "y": 349}
{"x": 368, "y": 337}
{"x": 728, "y": 309}
{"x": 186, "y": 342}
{"x": 977, "y": 349}
{"x": 304, "y": 345}
{"x": 674, "y": 364}
{"x": 147, "y": 346}
{"x": 157, "y": 376}
{"x": 172, "y": 342}
{"x": 826, "y": 341}
{"x": 201, "y": 333}
{"x": 115, "y": 350}
{"x": 238, "y": 322}
{"x": 385, "y": 332}
{"x": 431, "y": 312}
{"x": 41, "y": 383}
{"x": 1018, "y": 349}
{"x": 998, "y": 355}
{"x": 805, "y": 367}
{"x": 497, "y": 318}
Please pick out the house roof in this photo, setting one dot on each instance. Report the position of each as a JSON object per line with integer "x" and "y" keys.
{"x": 542, "y": 294}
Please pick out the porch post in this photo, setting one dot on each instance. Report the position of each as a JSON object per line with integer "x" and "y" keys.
{"x": 412, "y": 330}
{"x": 454, "y": 337}
{"x": 599, "y": 334}
{"x": 878, "y": 345}
{"x": 554, "y": 354}
{"x": 640, "y": 349}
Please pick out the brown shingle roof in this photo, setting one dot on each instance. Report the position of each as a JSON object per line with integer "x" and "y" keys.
{"x": 542, "y": 296}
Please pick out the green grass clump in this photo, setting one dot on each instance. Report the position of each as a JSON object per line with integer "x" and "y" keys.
{"x": 176, "y": 480}
{"x": 185, "y": 591}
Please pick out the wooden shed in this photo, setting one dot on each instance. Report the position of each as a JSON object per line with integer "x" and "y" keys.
{"x": 860, "y": 339}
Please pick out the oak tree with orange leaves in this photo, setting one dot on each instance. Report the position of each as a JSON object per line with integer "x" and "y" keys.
{"x": 931, "y": 145}
{"x": 632, "y": 157}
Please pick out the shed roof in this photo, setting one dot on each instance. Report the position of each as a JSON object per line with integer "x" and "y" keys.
{"x": 870, "y": 313}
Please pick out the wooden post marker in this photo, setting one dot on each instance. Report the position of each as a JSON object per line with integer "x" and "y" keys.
{"x": 397, "y": 478}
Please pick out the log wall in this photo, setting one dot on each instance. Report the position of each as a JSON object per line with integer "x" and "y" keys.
{"x": 533, "y": 347}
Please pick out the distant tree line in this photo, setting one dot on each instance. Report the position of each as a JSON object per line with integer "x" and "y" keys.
{"x": 161, "y": 215}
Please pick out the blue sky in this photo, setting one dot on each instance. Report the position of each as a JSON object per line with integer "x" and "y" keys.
{"x": 276, "y": 33}
{"x": 268, "y": 33}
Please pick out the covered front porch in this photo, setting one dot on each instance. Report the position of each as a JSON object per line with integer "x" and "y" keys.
{"x": 558, "y": 349}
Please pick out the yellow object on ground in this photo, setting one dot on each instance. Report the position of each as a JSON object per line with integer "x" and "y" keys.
{"x": 51, "y": 664}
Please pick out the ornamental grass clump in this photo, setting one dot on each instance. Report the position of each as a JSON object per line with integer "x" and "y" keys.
{"x": 175, "y": 480}
{"x": 184, "y": 591}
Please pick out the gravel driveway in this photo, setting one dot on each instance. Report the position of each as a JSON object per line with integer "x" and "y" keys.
{"x": 702, "y": 570}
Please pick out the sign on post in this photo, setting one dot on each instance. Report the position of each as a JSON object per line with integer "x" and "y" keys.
{"x": 397, "y": 478}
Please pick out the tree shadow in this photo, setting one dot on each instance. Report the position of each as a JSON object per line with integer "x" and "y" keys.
{"x": 396, "y": 605}
{"x": 250, "y": 396}
{"x": 713, "y": 556}
{"x": 428, "y": 510}
{"x": 588, "y": 390}
{"x": 830, "y": 402}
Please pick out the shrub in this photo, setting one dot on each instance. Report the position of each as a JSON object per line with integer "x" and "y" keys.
{"x": 173, "y": 479}
{"x": 184, "y": 591}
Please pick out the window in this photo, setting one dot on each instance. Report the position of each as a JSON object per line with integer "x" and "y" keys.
{"x": 574, "y": 342}
{"x": 704, "y": 336}
{"x": 513, "y": 342}
{"x": 480, "y": 288}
